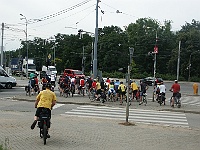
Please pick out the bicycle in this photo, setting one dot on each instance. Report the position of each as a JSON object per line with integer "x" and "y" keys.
{"x": 144, "y": 98}
{"x": 44, "y": 124}
{"x": 72, "y": 89}
{"x": 177, "y": 100}
{"x": 161, "y": 98}
{"x": 82, "y": 90}
{"x": 91, "y": 94}
{"x": 28, "y": 90}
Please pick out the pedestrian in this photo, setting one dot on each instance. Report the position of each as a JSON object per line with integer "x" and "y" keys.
{"x": 175, "y": 89}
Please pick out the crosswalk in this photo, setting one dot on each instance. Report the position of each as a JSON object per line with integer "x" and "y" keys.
{"x": 164, "y": 118}
{"x": 194, "y": 100}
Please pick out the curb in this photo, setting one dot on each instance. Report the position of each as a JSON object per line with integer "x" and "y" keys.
{"x": 77, "y": 103}
{"x": 101, "y": 104}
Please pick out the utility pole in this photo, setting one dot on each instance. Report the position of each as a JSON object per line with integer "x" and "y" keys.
{"x": 154, "y": 65}
{"x": 83, "y": 60}
{"x": 131, "y": 51}
{"x": 95, "y": 43}
{"x": 178, "y": 63}
{"x": 26, "y": 32}
{"x": 2, "y": 45}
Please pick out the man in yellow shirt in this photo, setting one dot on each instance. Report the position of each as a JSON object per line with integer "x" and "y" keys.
{"x": 45, "y": 99}
{"x": 134, "y": 88}
{"x": 98, "y": 89}
{"x": 122, "y": 91}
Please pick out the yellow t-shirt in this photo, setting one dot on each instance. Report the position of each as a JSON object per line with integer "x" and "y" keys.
{"x": 46, "y": 98}
{"x": 122, "y": 87}
{"x": 134, "y": 86}
{"x": 98, "y": 86}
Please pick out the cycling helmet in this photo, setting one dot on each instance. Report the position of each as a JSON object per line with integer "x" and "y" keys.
{"x": 48, "y": 85}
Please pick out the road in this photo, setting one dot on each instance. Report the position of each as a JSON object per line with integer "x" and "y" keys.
{"x": 73, "y": 132}
{"x": 88, "y": 127}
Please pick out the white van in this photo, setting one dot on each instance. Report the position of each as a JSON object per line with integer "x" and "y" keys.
{"x": 5, "y": 80}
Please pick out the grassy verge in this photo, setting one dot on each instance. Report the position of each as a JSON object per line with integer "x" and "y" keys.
{"x": 5, "y": 146}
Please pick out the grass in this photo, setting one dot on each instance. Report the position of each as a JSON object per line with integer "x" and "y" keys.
{"x": 5, "y": 146}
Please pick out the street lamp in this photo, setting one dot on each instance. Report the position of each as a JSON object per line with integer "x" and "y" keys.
{"x": 131, "y": 51}
{"x": 154, "y": 66}
{"x": 26, "y": 43}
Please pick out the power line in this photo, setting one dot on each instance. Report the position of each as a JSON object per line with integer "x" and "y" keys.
{"x": 58, "y": 13}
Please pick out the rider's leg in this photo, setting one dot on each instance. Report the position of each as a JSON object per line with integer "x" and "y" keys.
{"x": 141, "y": 95}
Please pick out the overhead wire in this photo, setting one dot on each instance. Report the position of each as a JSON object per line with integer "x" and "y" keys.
{"x": 59, "y": 13}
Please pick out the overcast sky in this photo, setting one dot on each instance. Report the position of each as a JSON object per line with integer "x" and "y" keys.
{"x": 83, "y": 17}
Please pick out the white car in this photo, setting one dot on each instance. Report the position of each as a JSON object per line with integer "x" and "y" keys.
{"x": 5, "y": 80}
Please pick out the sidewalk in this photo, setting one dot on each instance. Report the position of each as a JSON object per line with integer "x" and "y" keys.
{"x": 80, "y": 100}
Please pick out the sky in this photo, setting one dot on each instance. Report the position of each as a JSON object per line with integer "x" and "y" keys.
{"x": 46, "y": 18}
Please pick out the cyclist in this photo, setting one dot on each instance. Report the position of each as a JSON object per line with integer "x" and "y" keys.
{"x": 89, "y": 83}
{"x": 81, "y": 85}
{"x": 162, "y": 90}
{"x": 53, "y": 79}
{"x": 45, "y": 99}
{"x": 44, "y": 82}
{"x": 32, "y": 83}
{"x": 134, "y": 88}
{"x": 97, "y": 89}
{"x": 116, "y": 85}
{"x": 175, "y": 89}
{"x": 143, "y": 88}
{"x": 111, "y": 89}
{"x": 122, "y": 91}
{"x": 37, "y": 88}
{"x": 108, "y": 80}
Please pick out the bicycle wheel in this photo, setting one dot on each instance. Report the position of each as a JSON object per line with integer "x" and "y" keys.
{"x": 178, "y": 103}
{"x": 29, "y": 91}
{"x": 72, "y": 90}
{"x": 44, "y": 133}
{"x": 145, "y": 100}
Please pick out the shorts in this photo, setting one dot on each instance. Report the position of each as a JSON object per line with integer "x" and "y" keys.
{"x": 39, "y": 110}
{"x": 98, "y": 91}
{"x": 122, "y": 93}
{"x": 176, "y": 95}
{"x": 134, "y": 92}
{"x": 38, "y": 113}
{"x": 142, "y": 93}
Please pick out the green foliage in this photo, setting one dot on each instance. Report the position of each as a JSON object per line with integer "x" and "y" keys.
{"x": 113, "y": 50}
{"x": 195, "y": 79}
{"x": 6, "y": 145}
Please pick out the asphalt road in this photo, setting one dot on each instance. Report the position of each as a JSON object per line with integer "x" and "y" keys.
{"x": 75, "y": 132}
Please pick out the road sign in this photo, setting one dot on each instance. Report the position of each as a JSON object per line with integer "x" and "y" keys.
{"x": 156, "y": 49}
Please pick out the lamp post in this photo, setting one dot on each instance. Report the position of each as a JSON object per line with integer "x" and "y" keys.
{"x": 26, "y": 44}
{"x": 95, "y": 43}
{"x": 154, "y": 66}
{"x": 131, "y": 51}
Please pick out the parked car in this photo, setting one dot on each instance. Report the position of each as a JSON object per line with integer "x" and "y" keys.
{"x": 73, "y": 73}
{"x": 150, "y": 80}
{"x": 5, "y": 80}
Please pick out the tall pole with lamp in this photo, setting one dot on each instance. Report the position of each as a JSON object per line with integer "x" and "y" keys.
{"x": 26, "y": 32}
{"x": 95, "y": 43}
{"x": 131, "y": 51}
{"x": 154, "y": 66}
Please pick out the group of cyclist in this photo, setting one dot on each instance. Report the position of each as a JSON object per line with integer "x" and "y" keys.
{"x": 33, "y": 83}
{"x": 47, "y": 99}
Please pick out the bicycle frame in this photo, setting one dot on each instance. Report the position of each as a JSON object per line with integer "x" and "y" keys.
{"x": 44, "y": 124}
